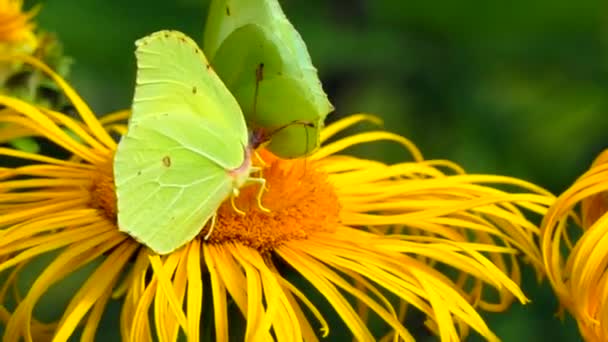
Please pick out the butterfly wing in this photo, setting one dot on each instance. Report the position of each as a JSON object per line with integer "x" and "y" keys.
{"x": 166, "y": 189}
{"x": 170, "y": 167}
{"x": 174, "y": 76}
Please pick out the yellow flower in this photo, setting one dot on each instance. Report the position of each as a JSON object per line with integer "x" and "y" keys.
{"x": 575, "y": 252}
{"x": 16, "y": 32}
{"x": 373, "y": 240}
{"x": 15, "y": 25}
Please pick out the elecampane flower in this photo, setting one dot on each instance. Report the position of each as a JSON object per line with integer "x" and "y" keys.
{"x": 374, "y": 241}
{"x": 575, "y": 250}
{"x": 18, "y": 35}
{"x": 15, "y": 25}
{"x": 16, "y": 32}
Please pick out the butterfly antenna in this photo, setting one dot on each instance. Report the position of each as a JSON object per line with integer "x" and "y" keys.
{"x": 294, "y": 122}
{"x": 306, "y": 124}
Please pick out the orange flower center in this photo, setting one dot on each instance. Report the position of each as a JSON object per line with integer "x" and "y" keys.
{"x": 300, "y": 199}
{"x": 595, "y": 206}
{"x": 301, "y": 202}
{"x": 103, "y": 194}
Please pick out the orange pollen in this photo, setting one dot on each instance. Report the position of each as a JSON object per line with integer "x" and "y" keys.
{"x": 301, "y": 202}
{"x": 103, "y": 194}
{"x": 14, "y": 24}
{"x": 595, "y": 206}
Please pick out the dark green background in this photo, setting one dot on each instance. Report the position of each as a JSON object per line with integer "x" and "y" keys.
{"x": 515, "y": 88}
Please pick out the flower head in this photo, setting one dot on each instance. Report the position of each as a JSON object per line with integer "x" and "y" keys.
{"x": 373, "y": 240}
{"x": 574, "y": 250}
{"x": 16, "y": 29}
{"x": 16, "y": 32}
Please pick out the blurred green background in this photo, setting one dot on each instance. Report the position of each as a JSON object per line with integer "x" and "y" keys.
{"x": 516, "y": 88}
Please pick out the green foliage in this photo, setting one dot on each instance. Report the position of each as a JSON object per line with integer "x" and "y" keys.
{"x": 263, "y": 61}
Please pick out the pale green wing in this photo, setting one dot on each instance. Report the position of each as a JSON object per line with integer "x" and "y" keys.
{"x": 173, "y": 75}
{"x": 242, "y": 35}
{"x": 166, "y": 189}
{"x": 171, "y": 169}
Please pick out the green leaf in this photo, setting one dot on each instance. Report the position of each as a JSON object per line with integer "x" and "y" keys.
{"x": 264, "y": 62}
{"x": 26, "y": 144}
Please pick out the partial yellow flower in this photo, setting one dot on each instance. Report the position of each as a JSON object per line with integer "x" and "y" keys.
{"x": 15, "y": 25}
{"x": 575, "y": 250}
{"x": 374, "y": 240}
{"x": 16, "y": 32}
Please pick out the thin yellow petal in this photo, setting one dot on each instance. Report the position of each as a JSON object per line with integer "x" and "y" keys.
{"x": 43, "y": 159}
{"x": 165, "y": 286}
{"x": 349, "y": 121}
{"x": 81, "y": 107}
{"x": 218, "y": 290}
{"x": 361, "y": 138}
{"x": 97, "y": 285}
{"x": 46, "y": 126}
{"x": 195, "y": 290}
{"x": 333, "y": 296}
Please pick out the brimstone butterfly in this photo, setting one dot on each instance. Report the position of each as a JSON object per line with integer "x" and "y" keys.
{"x": 264, "y": 62}
{"x": 186, "y": 149}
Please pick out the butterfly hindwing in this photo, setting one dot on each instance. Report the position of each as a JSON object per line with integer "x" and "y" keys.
{"x": 166, "y": 192}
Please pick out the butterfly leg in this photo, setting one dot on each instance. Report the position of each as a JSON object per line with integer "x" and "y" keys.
{"x": 261, "y": 175}
{"x": 234, "y": 195}
{"x": 213, "y": 220}
{"x": 262, "y": 183}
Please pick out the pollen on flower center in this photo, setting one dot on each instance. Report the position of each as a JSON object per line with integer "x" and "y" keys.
{"x": 103, "y": 193}
{"x": 300, "y": 199}
{"x": 301, "y": 202}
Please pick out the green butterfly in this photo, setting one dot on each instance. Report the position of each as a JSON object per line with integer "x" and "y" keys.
{"x": 264, "y": 62}
{"x": 186, "y": 149}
